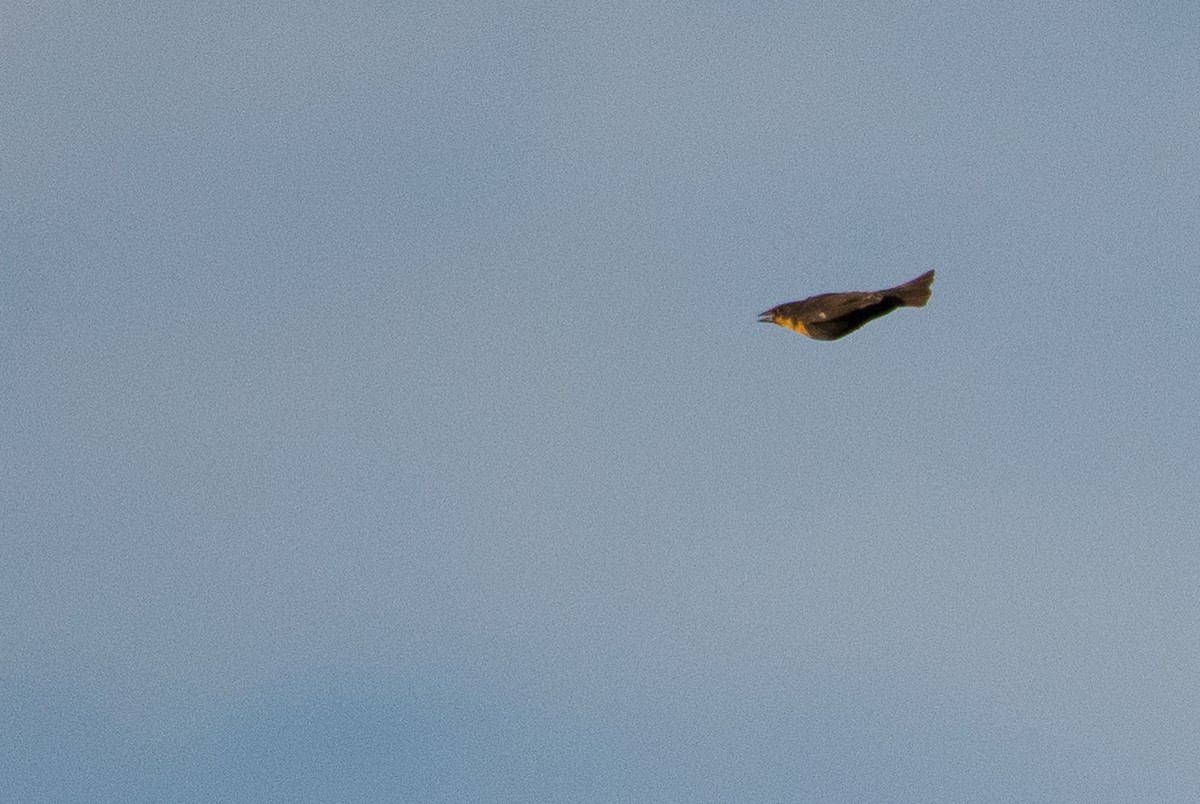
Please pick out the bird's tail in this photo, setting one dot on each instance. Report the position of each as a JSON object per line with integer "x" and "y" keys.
{"x": 915, "y": 292}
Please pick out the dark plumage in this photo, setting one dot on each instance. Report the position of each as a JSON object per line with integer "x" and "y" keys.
{"x": 831, "y": 315}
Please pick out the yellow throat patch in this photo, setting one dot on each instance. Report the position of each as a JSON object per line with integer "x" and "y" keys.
{"x": 793, "y": 324}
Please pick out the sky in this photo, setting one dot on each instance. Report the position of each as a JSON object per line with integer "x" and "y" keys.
{"x": 385, "y": 416}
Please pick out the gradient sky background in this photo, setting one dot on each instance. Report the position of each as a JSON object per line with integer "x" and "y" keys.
{"x": 384, "y": 415}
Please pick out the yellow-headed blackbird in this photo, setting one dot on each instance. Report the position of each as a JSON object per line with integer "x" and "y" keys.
{"x": 832, "y": 315}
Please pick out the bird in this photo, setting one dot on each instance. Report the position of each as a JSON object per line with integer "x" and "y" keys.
{"x": 830, "y": 316}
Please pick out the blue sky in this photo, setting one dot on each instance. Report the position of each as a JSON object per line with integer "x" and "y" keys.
{"x": 386, "y": 417}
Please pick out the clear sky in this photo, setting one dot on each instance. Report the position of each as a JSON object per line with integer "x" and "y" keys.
{"x": 384, "y": 416}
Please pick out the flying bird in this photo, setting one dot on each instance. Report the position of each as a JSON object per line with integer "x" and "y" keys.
{"x": 829, "y": 316}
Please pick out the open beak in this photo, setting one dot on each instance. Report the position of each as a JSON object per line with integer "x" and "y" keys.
{"x": 767, "y": 318}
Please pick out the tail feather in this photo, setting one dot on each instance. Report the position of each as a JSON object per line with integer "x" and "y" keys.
{"x": 915, "y": 292}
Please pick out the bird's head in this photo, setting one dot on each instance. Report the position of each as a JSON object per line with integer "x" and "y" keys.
{"x": 782, "y": 319}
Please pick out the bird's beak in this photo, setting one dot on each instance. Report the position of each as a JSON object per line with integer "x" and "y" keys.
{"x": 767, "y": 318}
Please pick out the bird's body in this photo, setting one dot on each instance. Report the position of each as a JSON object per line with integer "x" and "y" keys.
{"x": 831, "y": 315}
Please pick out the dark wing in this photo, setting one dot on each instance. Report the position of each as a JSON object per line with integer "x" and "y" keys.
{"x": 853, "y": 316}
